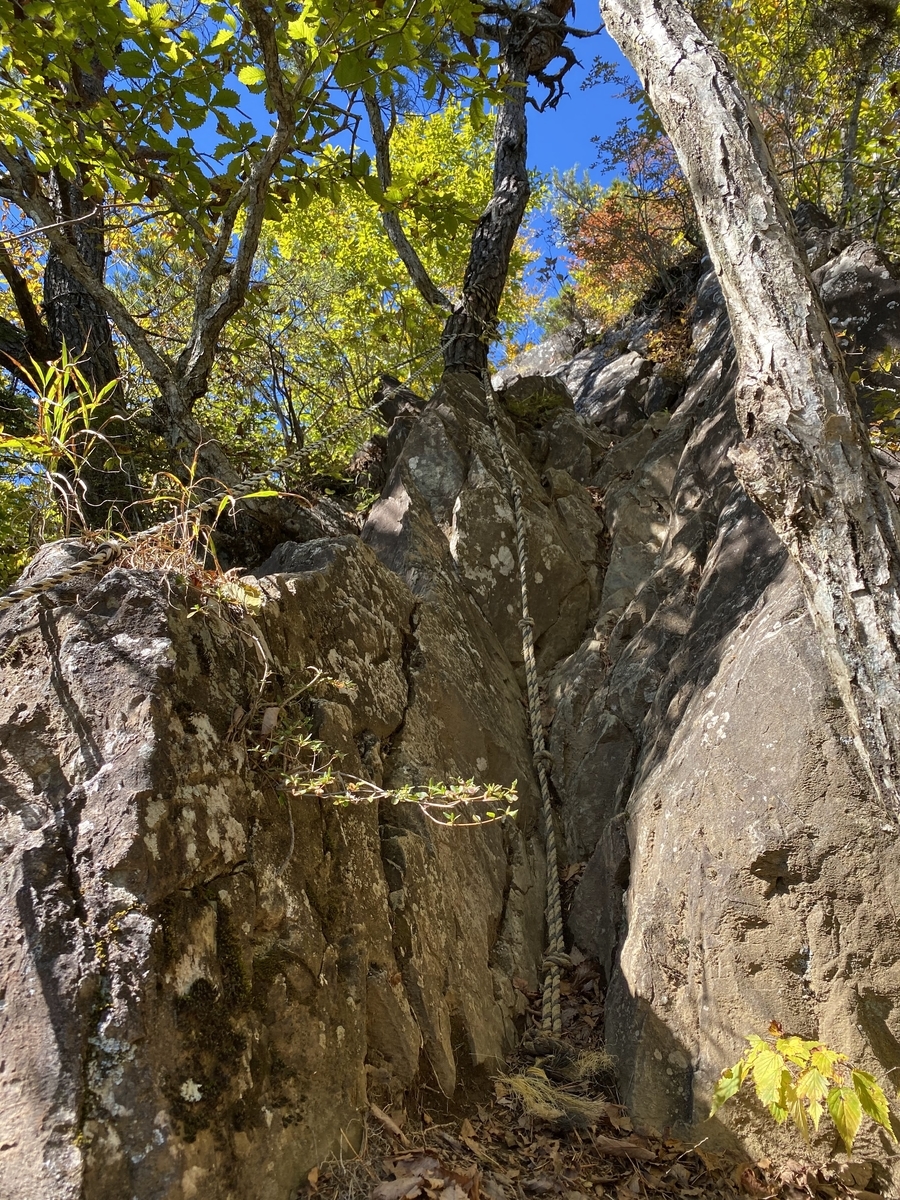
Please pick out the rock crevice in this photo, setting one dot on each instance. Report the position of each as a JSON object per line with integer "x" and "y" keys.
{"x": 207, "y": 979}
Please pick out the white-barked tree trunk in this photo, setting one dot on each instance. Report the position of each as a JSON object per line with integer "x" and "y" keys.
{"x": 806, "y": 458}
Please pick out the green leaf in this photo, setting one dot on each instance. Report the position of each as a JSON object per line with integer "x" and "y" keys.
{"x": 729, "y": 1085}
{"x": 349, "y": 72}
{"x": 872, "y": 1099}
{"x": 225, "y": 98}
{"x": 846, "y": 1112}
{"x": 301, "y": 29}
{"x": 132, "y": 64}
{"x": 251, "y": 76}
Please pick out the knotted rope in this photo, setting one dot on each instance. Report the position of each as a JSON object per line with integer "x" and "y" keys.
{"x": 555, "y": 957}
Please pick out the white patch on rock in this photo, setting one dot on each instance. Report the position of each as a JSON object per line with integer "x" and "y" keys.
{"x": 156, "y": 810}
{"x": 191, "y": 1092}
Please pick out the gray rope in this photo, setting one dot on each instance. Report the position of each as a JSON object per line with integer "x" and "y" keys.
{"x": 110, "y": 550}
{"x": 555, "y": 957}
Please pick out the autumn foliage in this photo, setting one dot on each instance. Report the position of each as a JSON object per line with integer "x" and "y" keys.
{"x": 625, "y": 237}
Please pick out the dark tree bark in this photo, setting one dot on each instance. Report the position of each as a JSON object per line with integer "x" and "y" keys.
{"x": 107, "y": 485}
{"x": 806, "y": 458}
{"x": 532, "y": 39}
{"x": 472, "y": 324}
{"x": 73, "y": 320}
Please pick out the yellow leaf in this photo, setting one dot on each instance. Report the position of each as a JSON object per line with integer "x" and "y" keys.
{"x": 825, "y": 1060}
{"x": 812, "y": 1085}
{"x": 728, "y": 1085}
{"x": 794, "y": 1049}
{"x": 846, "y": 1112}
{"x": 770, "y": 1076}
{"x": 797, "y": 1114}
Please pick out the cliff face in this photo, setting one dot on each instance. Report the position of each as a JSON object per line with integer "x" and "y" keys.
{"x": 739, "y": 869}
{"x": 204, "y": 980}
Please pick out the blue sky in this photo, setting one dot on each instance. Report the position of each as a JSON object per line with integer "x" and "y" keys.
{"x": 561, "y": 137}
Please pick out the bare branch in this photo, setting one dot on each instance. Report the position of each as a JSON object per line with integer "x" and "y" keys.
{"x": 195, "y": 362}
{"x": 393, "y": 227}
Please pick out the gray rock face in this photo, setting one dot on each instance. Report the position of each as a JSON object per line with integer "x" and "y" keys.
{"x": 739, "y": 870}
{"x": 206, "y": 981}
{"x": 199, "y": 973}
{"x": 609, "y": 394}
{"x": 445, "y": 521}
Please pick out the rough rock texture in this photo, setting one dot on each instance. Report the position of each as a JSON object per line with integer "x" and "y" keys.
{"x": 739, "y": 870}
{"x": 204, "y": 982}
{"x": 445, "y": 523}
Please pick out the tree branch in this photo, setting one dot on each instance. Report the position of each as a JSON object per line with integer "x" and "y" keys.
{"x": 31, "y": 199}
{"x": 195, "y": 362}
{"x": 36, "y": 335}
{"x": 14, "y": 352}
{"x": 418, "y": 273}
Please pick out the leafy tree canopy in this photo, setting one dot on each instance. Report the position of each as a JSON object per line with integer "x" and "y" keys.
{"x": 825, "y": 78}
{"x": 197, "y": 175}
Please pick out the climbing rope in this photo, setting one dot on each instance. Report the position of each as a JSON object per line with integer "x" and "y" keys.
{"x": 555, "y": 957}
{"x": 110, "y": 550}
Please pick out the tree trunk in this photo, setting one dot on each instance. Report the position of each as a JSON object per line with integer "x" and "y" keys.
{"x": 473, "y": 322}
{"x": 107, "y": 483}
{"x": 806, "y": 459}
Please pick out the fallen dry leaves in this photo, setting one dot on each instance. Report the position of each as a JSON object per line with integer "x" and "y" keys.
{"x": 500, "y": 1151}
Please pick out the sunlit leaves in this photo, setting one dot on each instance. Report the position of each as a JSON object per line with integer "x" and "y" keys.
{"x": 872, "y": 1099}
{"x": 846, "y": 1111}
{"x": 251, "y": 75}
{"x": 159, "y": 73}
{"x": 825, "y": 77}
{"x": 330, "y": 306}
{"x": 798, "y": 1079}
{"x": 624, "y": 237}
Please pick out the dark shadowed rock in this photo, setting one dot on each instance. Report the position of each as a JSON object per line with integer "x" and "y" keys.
{"x": 698, "y": 719}
{"x": 534, "y": 395}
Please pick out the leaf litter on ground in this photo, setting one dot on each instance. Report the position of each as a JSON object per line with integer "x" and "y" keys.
{"x": 580, "y": 1144}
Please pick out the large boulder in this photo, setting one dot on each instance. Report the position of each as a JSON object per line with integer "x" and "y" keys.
{"x": 205, "y": 980}
{"x": 739, "y": 869}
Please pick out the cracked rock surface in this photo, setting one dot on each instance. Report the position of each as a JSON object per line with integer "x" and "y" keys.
{"x": 203, "y": 983}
